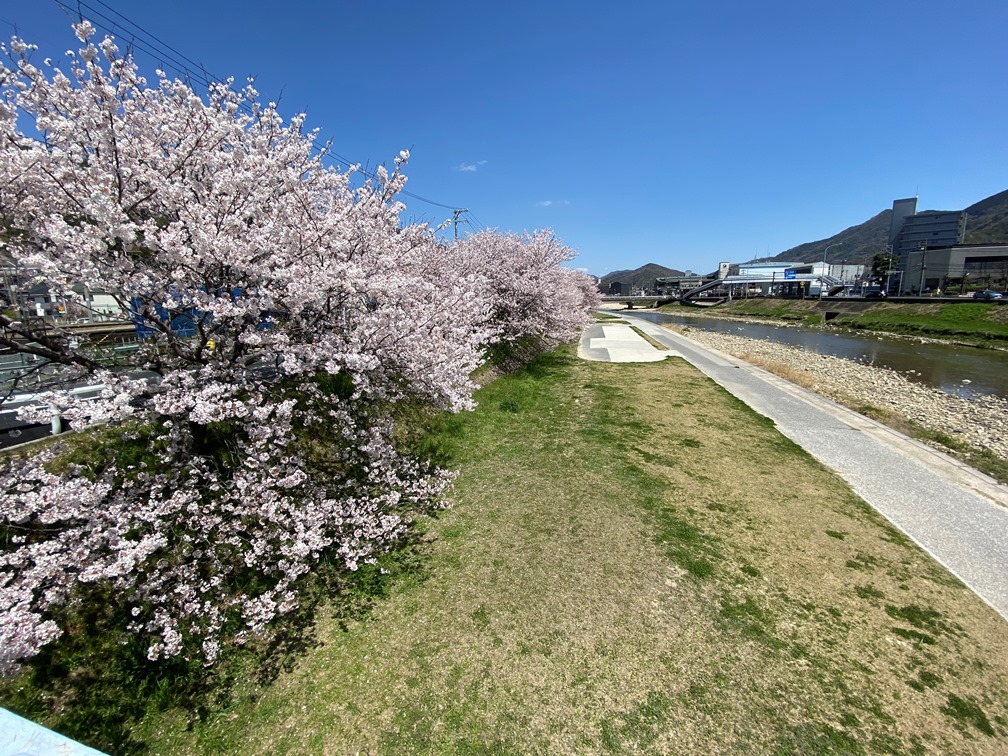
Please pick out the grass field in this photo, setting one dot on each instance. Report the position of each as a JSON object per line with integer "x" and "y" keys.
{"x": 635, "y": 561}
{"x": 982, "y": 324}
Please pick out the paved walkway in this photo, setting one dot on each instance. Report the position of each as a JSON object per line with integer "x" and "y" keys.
{"x": 604, "y": 342}
{"x": 955, "y": 513}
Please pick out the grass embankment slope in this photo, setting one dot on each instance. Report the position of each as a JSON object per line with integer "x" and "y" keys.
{"x": 636, "y": 561}
{"x": 978, "y": 324}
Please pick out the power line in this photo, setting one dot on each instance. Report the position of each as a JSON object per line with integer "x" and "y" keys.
{"x": 157, "y": 49}
{"x": 428, "y": 201}
{"x": 204, "y": 79}
{"x": 479, "y": 223}
{"x": 11, "y": 24}
{"x": 149, "y": 34}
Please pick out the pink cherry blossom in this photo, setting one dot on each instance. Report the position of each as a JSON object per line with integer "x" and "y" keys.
{"x": 264, "y": 434}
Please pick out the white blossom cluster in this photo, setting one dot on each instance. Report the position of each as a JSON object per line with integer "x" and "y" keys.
{"x": 530, "y": 292}
{"x": 266, "y": 441}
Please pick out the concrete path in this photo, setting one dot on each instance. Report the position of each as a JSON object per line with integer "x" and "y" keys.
{"x": 956, "y": 514}
{"x": 603, "y": 342}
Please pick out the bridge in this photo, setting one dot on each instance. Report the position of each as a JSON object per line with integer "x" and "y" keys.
{"x": 833, "y": 285}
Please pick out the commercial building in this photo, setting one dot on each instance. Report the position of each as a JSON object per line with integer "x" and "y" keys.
{"x": 931, "y": 253}
{"x": 766, "y": 278}
{"x": 962, "y": 266}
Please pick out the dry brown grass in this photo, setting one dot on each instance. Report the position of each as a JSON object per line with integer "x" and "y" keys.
{"x": 650, "y": 339}
{"x": 637, "y": 562}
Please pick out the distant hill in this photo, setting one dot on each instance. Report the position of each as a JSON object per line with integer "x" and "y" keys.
{"x": 642, "y": 278}
{"x": 860, "y": 243}
{"x": 987, "y": 223}
{"x": 987, "y": 220}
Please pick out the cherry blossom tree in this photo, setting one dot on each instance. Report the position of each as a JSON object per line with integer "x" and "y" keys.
{"x": 531, "y": 292}
{"x": 287, "y": 310}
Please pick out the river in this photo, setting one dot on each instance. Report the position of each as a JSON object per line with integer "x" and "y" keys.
{"x": 963, "y": 371}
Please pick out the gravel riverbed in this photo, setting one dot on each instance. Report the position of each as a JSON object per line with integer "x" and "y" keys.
{"x": 981, "y": 422}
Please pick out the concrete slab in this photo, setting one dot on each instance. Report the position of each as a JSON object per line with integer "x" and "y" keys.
{"x": 22, "y": 737}
{"x": 617, "y": 343}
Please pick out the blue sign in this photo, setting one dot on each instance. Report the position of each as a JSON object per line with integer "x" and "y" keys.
{"x": 183, "y": 324}
{"x": 789, "y": 274}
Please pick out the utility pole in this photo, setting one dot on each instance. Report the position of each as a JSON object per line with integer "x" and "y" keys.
{"x": 923, "y": 249}
{"x": 889, "y": 267}
{"x": 457, "y": 213}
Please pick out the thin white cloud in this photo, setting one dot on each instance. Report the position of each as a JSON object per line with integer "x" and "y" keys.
{"x": 470, "y": 167}
{"x": 550, "y": 203}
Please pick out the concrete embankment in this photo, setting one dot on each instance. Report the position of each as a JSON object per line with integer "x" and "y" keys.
{"x": 981, "y": 422}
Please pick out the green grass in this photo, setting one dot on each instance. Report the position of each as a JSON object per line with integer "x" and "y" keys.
{"x": 634, "y": 562}
{"x": 960, "y": 321}
{"x": 981, "y": 324}
{"x": 96, "y": 688}
{"x": 968, "y": 713}
{"x": 770, "y": 308}
{"x": 869, "y": 592}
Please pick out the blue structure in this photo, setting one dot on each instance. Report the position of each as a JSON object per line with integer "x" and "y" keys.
{"x": 183, "y": 324}
{"x": 22, "y": 737}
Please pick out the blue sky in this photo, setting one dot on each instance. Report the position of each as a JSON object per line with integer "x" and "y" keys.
{"x": 681, "y": 133}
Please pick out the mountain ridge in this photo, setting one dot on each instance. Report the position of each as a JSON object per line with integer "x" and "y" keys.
{"x": 986, "y": 223}
{"x": 640, "y": 278}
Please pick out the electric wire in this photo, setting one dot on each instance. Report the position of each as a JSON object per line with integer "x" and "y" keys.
{"x": 136, "y": 42}
{"x": 157, "y": 49}
{"x": 479, "y": 223}
{"x": 152, "y": 36}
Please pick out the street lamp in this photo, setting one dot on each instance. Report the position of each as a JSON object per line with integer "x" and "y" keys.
{"x": 828, "y": 248}
{"x": 825, "y": 272}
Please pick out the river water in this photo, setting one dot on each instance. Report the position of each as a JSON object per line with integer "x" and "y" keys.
{"x": 942, "y": 365}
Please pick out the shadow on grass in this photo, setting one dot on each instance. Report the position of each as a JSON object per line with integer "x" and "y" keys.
{"x": 530, "y": 356}
{"x": 95, "y": 684}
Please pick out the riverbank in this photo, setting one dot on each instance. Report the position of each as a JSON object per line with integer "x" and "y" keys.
{"x": 976, "y": 324}
{"x": 622, "y": 572}
{"x": 974, "y": 430}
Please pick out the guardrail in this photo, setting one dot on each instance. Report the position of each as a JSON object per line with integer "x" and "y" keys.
{"x": 15, "y": 431}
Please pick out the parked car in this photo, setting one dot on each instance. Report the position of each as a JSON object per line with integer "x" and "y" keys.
{"x": 987, "y": 294}
{"x": 873, "y": 292}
